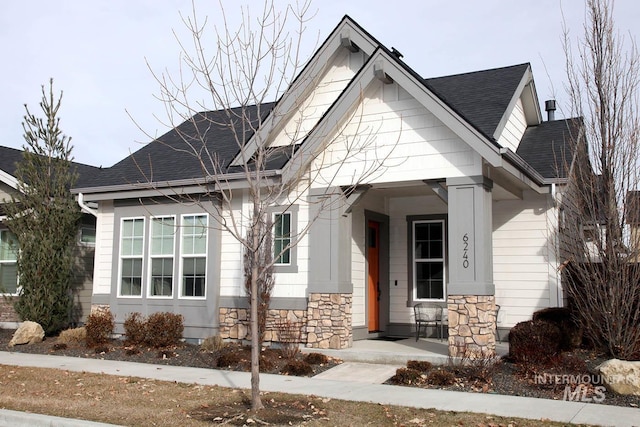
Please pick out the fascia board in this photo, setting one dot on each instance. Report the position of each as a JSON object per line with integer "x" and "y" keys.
{"x": 525, "y": 81}
{"x": 8, "y": 179}
{"x": 305, "y": 82}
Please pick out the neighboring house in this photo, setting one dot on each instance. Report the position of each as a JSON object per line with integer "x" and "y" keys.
{"x": 9, "y": 280}
{"x": 463, "y": 212}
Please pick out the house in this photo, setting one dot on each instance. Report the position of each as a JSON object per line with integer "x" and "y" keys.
{"x": 461, "y": 211}
{"x": 9, "y": 281}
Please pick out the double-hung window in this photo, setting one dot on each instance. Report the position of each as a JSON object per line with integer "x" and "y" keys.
{"x": 428, "y": 259}
{"x": 8, "y": 262}
{"x": 162, "y": 248}
{"x": 194, "y": 255}
{"x": 131, "y": 255}
{"x": 282, "y": 238}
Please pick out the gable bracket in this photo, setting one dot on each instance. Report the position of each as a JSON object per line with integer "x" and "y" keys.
{"x": 437, "y": 188}
{"x": 378, "y": 71}
{"x": 345, "y": 41}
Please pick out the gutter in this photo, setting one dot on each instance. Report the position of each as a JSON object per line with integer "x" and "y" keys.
{"x": 519, "y": 163}
{"x": 86, "y": 208}
{"x": 235, "y": 176}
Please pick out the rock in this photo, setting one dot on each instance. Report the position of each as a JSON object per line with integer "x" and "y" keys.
{"x": 28, "y": 333}
{"x": 621, "y": 376}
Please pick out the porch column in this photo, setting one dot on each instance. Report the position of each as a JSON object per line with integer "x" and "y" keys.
{"x": 471, "y": 292}
{"x": 330, "y": 290}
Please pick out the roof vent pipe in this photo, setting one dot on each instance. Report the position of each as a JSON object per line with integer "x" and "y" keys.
{"x": 550, "y": 108}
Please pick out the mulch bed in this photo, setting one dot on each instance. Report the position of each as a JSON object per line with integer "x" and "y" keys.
{"x": 233, "y": 357}
{"x": 502, "y": 378}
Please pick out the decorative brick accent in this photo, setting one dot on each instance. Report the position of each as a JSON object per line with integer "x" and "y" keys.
{"x": 7, "y": 313}
{"x": 329, "y": 321}
{"x": 472, "y": 322}
{"x": 234, "y": 323}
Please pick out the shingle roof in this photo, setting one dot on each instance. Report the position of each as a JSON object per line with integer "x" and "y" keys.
{"x": 9, "y": 157}
{"x": 481, "y": 97}
{"x": 168, "y": 158}
{"x": 547, "y": 147}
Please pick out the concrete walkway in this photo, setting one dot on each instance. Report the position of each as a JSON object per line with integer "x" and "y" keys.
{"x": 357, "y": 382}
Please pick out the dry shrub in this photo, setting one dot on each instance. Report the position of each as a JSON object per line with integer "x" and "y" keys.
{"x": 134, "y": 329}
{"x": 419, "y": 365}
{"x": 298, "y": 368}
{"x": 73, "y": 336}
{"x": 289, "y": 333}
{"x": 228, "y": 359}
{"x": 99, "y": 328}
{"x": 316, "y": 358}
{"x": 534, "y": 342}
{"x": 212, "y": 344}
{"x": 571, "y": 333}
{"x": 407, "y": 376}
{"x": 163, "y": 329}
{"x": 441, "y": 377}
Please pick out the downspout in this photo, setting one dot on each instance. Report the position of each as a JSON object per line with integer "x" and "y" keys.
{"x": 85, "y": 208}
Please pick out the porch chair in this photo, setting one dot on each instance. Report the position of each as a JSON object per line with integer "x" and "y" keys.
{"x": 428, "y": 314}
{"x": 497, "y": 332}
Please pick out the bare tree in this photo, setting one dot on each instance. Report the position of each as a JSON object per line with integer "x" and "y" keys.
{"x": 238, "y": 82}
{"x": 602, "y": 278}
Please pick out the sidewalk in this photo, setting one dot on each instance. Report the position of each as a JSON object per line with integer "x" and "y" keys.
{"x": 356, "y": 383}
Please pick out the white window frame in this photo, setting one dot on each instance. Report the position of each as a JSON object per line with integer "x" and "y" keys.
{"x": 11, "y": 262}
{"x": 275, "y": 238}
{"x": 415, "y": 260}
{"x": 204, "y": 255}
{"x": 152, "y": 256}
{"x": 122, "y": 257}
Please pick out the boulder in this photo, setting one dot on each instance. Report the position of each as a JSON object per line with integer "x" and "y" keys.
{"x": 27, "y": 333}
{"x": 621, "y": 376}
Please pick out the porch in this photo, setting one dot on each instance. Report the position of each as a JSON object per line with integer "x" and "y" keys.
{"x": 385, "y": 351}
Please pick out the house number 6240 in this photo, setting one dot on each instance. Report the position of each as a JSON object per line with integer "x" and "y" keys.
{"x": 465, "y": 250}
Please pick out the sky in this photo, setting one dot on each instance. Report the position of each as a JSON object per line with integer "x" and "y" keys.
{"x": 101, "y": 53}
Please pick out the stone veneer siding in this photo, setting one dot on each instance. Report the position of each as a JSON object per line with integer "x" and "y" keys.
{"x": 234, "y": 323}
{"x": 472, "y": 322}
{"x": 7, "y": 312}
{"x": 329, "y": 321}
{"x": 325, "y": 324}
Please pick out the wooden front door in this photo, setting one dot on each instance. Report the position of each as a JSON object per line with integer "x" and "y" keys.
{"x": 373, "y": 258}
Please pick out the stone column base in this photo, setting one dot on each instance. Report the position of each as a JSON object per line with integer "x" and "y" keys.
{"x": 472, "y": 324}
{"x": 329, "y": 321}
{"x": 235, "y": 324}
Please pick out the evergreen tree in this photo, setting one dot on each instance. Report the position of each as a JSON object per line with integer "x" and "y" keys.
{"x": 44, "y": 217}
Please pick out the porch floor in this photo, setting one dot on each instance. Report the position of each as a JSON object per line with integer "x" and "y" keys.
{"x": 397, "y": 352}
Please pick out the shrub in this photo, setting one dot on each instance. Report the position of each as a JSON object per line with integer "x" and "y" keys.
{"x": 229, "y": 359}
{"x": 134, "y": 329}
{"x": 59, "y": 346}
{"x": 571, "y": 333}
{"x": 407, "y": 376}
{"x": 316, "y": 358}
{"x": 441, "y": 377}
{"x": 297, "y": 368}
{"x": 73, "y": 336}
{"x": 213, "y": 343}
{"x": 534, "y": 342}
{"x": 419, "y": 365}
{"x": 289, "y": 336}
{"x": 99, "y": 327}
{"x": 163, "y": 329}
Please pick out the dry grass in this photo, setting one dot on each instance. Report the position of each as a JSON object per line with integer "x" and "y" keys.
{"x": 142, "y": 402}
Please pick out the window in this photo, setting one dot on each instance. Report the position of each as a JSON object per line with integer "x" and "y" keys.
{"x": 162, "y": 249}
{"x": 428, "y": 260}
{"x": 131, "y": 247}
{"x": 282, "y": 238}
{"x": 194, "y": 255}
{"x": 8, "y": 264}
{"x": 87, "y": 235}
